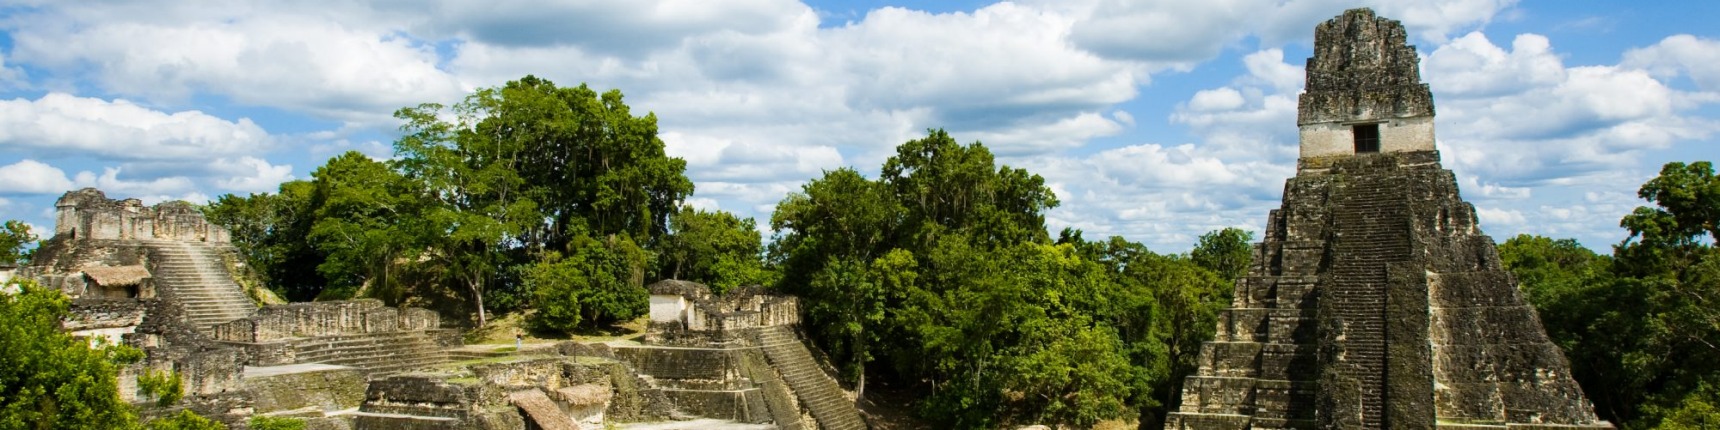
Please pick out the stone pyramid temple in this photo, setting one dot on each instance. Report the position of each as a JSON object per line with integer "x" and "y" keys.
{"x": 1374, "y": 301}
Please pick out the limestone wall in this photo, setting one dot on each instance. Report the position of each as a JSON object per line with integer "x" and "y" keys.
{"x": 323, "y": 388}
{"x": 89, "y": 214}
{"x": 1396, "y": 135}
{"x": 299, "y": 320}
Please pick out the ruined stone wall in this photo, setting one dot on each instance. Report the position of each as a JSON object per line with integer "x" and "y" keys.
{"x": 89, "y": 214}
{"x": 299, "y": 320}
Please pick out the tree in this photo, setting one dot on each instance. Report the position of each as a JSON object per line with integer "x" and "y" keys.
{"x": 944, "y": 185}
{"x": 49, "y": 379}
{"x": 366, "y": 215}
{"x": 715, "y": 248}
{"x": 1226, "y": 252}
{"x": 584, "y": 158}
{"x": 596, "y": 282}
{"x": 528, "y": 167}
{"x": 14, "y": 236}
{"x": 272, "y": 232}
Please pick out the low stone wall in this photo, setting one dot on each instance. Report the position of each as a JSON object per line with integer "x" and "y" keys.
{"x": 108, "y": 320}
{"x": 419, "y": 402}
{"x": 685, "y": 368}
{"x": 747, "y": 406}
{"x": 298, "y": 320}
{"x": 743, "y": 308}
{"x": 325, "y": 388}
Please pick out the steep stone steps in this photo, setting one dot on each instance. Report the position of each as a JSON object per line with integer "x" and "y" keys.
{"x": 377, "y": 353}
{"x": 1371, "y": 230}
{"x": 194, "y": 276}
{"x": 817, "y": 391}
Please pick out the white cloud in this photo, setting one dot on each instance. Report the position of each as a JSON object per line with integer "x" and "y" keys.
{"x": 1686, "y": 55}
{"x": 297, "y": 61}
{"x": 1471, "y": 66}
{"x": 33, "y": 177}
{"x": 250, "y": 174}
{"x": 1252, "y": 118}
{"x": 1178, "y": 34}
{"x": 1508, "y": 218}
{"x": 1163, "y": 196}
{"x": 58, "y": 123}
{"x": 1522, "y": 115}
{"x": 1219, "y": 99}
{"x": 150, "y": 191}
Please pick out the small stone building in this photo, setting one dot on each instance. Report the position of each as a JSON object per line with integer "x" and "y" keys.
{"x": 119, "y": 282}
{"x": 679, "y": 306}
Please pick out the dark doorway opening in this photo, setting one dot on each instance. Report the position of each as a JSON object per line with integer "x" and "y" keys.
{"x": 1367, "y": 138}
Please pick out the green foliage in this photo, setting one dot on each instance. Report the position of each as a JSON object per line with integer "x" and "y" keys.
{"x": 942, "y": 185}
{"x": 14, "y": 236}
{"x": 1699, "y": 410}
{"x": 272, "y": 231}
{"x": 49, "y": 379}
{"x": 1639, "y": 328}
{"x": 366, "y": 215}
{"x": 476, "y": 194}
{"x": 597, "y": 282}
{"x": 185, "y": 420}
{"x": 263, "y": 422}
{"x": 714, "y": 248}
{"x": 940, "y": 276}
{"x": 1226, "y": 252}
{"x": 166, "y": 387}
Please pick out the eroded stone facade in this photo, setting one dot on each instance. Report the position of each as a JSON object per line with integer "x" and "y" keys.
{"x": 1375, "y": 301}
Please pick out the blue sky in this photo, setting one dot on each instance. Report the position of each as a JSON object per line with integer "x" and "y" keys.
{"x": 1153, "y": 120}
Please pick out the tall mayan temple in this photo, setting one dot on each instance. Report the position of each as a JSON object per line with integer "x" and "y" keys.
{"x": 1375, "y": 302}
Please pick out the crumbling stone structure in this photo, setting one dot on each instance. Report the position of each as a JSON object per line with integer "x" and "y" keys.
{"x": 357, "y": 333}
{"x": 1375, "y": 301}
{"x": 119, "y": 249}
{"x": 737, "y": 357}
{"x": 88, "y": 214}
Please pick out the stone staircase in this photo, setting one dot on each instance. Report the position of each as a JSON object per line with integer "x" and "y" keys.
{"x": 1371, "y": 231}
{"x": 378, "y": 354}
{"x": 816, "y": 390}
{"x": 194, "y": 276}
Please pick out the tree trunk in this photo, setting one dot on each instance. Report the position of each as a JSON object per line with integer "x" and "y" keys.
{"x": 478, "y": 294}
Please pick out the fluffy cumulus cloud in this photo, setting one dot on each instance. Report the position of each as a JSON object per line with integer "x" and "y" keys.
{"x": 33, "y": 177}
{"x": 305, "y": 62}
{"x": 1162, "y": 196}
{"x": 1555, "y": 149}
{"x": 1681, "y": 55}
{"x": 59, "y": 123}
{"x": 1179, "y": 34}
{"x": 1524, "y": 117}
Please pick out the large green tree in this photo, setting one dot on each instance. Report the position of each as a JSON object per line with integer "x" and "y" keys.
{"x": 1226, "y": 252}
{"x": 366, "y": 216}
{"x": 716, "y": 248}
{"x": 940, "y": 276}
{"x": 1640, "y": 328}
{"x": 597, "y": 282}
{"x": 522, "y": 169}
{"x": 272, "y": 231}
{"x": 51, "y": 380}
